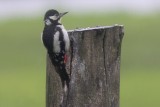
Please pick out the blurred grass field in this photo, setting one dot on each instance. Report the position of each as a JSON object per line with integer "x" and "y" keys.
{"x": 22, "y": 59}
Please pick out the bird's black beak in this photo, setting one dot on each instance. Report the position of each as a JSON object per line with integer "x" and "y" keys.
{"x": 62, "y": 14}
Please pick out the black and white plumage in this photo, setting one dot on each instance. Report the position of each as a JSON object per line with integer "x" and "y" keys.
{"x": 55, "y": 39}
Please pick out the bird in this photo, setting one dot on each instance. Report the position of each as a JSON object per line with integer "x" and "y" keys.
{"x": 57, "y": 43}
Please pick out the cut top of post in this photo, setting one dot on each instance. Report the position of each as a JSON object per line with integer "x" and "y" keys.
{"x": 94, "y": 28}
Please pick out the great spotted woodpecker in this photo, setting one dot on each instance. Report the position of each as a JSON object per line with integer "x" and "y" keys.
{"x": 55, "y": 39}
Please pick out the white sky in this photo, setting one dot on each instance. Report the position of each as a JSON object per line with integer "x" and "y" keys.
{"x": 10, "y": 8}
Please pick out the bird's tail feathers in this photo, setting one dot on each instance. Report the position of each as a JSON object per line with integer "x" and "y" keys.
{"x": 60, "y": 68}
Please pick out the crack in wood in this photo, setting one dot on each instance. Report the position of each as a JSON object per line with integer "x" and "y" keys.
{"x": 104, "y": 51}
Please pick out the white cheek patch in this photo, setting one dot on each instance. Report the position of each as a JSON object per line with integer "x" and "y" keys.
{"x": 53, "y": 17}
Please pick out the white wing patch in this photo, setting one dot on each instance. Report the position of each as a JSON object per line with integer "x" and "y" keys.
{"x": 56, "y": 42}
{"x": 66, "y": 37}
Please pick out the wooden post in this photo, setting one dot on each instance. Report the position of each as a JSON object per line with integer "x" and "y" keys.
{"x": 95, "y": 69}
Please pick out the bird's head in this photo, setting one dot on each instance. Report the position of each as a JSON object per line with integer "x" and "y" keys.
{"x": 53, "y": 17}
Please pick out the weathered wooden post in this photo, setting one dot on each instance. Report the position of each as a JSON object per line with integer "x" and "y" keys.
{"x": 95, "y": 69}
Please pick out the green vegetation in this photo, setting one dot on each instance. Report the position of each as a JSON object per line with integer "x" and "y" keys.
{"x": 22, "y": 59}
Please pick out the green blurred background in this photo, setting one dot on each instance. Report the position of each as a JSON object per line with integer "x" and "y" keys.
{"x": 22, "y": 55}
